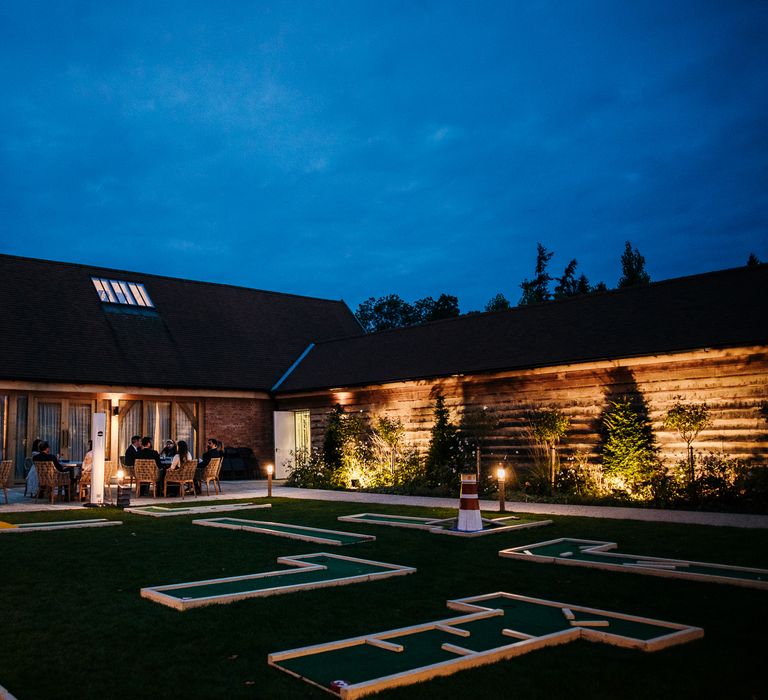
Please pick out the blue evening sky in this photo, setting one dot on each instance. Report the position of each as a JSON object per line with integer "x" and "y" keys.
{"x": 354, "y": 149}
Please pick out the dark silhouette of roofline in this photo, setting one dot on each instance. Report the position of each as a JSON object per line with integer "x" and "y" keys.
{"x": 138, "y": 273}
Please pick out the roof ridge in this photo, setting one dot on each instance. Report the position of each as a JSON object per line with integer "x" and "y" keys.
{"x": 551, "y": 302}
{"x": 167, "y": 277}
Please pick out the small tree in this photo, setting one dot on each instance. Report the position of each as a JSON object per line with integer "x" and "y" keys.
{"x": 333, "y": 445}
{"x": 444, "y": 449}
{"x": 498, "y": 303}
{"x": 688, "y": 420}
{"x": 389, "y": 431}
{"x": 632, "y": 268}
{"x": 549, "y": 426}
{"x": 537, "y": 289}
{"x": 629, "y": 448}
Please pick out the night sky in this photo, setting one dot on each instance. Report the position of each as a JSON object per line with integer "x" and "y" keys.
{"x": 355, "y": 149}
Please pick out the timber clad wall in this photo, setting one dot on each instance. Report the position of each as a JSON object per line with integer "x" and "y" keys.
{"x": 242, "y": 423}
{"x": 732, "y": 382}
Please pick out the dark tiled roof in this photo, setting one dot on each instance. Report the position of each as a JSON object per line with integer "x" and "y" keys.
{"x": 718, "y": 309}
{"x": 201, "y": 335}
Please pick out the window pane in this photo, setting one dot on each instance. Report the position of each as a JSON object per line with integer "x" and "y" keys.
{"x": 49, "y": 424}
{"x": 185, "y": 428}
{"x": 303, "y": 435}
{"x": 3, "y": 430}
{"x": 21, "y": 435}
{"x": 143, "y": 291}
{"x": 130, "y": 424}
{"x": 158, "y": 422}
{"x": 79, "y": 430}
{"x": 118, "y": 291}
{"x": 127, "y": 293}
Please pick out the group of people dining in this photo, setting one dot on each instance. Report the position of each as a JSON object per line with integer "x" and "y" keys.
{"x": 41, "y": 452}
{"x": 140, "y": 448}
{"x": 179, "y": 453}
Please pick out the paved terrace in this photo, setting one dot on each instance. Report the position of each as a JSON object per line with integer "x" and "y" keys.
{"x": 258, "y": 489}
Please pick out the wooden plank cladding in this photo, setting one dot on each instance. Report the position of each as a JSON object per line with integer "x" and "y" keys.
{"x": 733, "y": 383}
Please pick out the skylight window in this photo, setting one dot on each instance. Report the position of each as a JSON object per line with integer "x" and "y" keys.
{"x": 118, "y": 292}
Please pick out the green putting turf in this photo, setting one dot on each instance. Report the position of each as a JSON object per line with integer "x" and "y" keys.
{"x": 311, "y": 534}
{"x": 58, "y": 525}
{"x": 445, "y": 525}
{"x": 579, "y": 552}
{"x": 355, "y": 661}
{"x": 316, "y": 570}
{"x": 160, "y": 511}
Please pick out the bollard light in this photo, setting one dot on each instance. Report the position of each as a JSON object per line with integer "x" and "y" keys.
{"x": 120, "y": 476}
{"x": 501, "y": 475}
{"x": 270, "y": 471}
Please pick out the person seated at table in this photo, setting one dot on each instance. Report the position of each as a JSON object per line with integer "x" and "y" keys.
{"x": 214, "y": 450}
{"x": 147, "y": 452}
{"x": 182, "y": 455}
{"x": 88, "y": 458}
{"x": 169, "y": 450}
{"x": 132, "y": 450}
{"x": 45, "y": 456}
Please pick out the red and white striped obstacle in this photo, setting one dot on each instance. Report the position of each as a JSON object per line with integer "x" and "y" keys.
{"x": 469, "y": 506}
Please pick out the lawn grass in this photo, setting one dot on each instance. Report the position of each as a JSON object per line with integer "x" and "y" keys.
{"x": 74, "y": 625}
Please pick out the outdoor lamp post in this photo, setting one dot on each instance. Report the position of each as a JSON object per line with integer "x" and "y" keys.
{"x": 270, "y": 471}
{"x": 501, "y": 475}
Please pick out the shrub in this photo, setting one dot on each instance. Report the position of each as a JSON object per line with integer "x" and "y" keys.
{"x": 308, "y": 471}
{"x": 545, "y": 429}
{"x": 442, "y": 464}
{"x": 629, "y": 450}
{"x": 688, "y": 420}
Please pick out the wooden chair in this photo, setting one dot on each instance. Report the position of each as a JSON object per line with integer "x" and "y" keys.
{"x": 85, "y": 482}
{"x": 6, "y": 469}
{"x": 211, "y": 473}
{"x": 110, "y": 470}
{"x": 53, "y": 480}
{"x": 185, "y": 474}
{"x": 146, "y": 472}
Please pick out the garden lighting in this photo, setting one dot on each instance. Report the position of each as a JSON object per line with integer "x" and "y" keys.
{"x": 501, "y": 475}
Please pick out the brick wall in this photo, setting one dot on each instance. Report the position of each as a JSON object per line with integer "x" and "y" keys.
{"x": 242, "y": 423}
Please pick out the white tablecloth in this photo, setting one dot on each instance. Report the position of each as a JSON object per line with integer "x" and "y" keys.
{"x": 33, "y": 483}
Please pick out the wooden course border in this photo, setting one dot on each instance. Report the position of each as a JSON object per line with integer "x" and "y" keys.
{"x": 163, "y": 512}
{"x": 523, "y": 643}
{"x": 55, "y": 525}
{"x": 158, "y": 595}
{"x": 431, "y": 524}
{"x": 653, "y": 566}
{"x": 263, "y": 526}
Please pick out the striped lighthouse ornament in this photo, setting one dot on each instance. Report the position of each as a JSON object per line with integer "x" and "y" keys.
{"x": 469, "y": 506}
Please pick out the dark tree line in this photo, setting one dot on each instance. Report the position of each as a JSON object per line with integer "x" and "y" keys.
{"x": 383, "y": 313}
{"x": 393, "y": 312}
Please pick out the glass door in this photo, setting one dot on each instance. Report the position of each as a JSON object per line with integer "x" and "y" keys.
{"x": 49, "y": 426}
{"x": 79, "y": 431}
{"x": 65, "y": 425}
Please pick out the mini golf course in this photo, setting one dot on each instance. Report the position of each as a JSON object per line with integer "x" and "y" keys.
{"x": 596, "y": 554}
{"x": 498, "y": 626}
{"x": 312, "y": 571}
{"x": 294, "y": 532}
{"x": 164, "y": 511}
{"x": 56, "y": 525}
{"x": 445, "y": 526}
